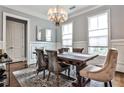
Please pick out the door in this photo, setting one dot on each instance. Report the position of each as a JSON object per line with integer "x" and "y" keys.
{"x": 15, "y": 40}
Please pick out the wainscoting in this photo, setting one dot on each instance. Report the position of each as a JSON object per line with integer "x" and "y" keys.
{"x": 58, "y": 45}
{"x": 1, "y": 44}
{"x": 34, "y": 45}
{"x": 119, "y": 45}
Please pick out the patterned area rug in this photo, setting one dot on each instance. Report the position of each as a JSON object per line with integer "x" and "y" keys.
{"x": 28, "y": 78}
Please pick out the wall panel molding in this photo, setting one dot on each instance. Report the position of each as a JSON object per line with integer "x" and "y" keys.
{"x": 1, "y": 44}
{"x": 119, "y": 45}
{"x": 34, "y": 45}
{"x": 81, "y": 44}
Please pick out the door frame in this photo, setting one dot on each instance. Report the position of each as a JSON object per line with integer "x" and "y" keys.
{"x": 5, "y": 14}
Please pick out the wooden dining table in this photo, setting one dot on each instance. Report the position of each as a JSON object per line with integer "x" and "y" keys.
{"x": 77, "y": 59}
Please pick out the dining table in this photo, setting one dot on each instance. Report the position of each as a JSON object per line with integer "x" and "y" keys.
{"x": 77, "y": 59}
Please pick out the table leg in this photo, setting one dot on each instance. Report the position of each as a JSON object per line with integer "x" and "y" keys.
{"x": 78, "y": 82}
{"x": 9, "y": 73}
{"x": 79, "y": 78}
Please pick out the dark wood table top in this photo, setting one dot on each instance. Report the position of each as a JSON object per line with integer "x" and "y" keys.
{"x": 80, "y": 57}
{"x": 74, "y": 57}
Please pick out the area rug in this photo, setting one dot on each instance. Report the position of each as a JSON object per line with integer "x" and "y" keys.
{"x": 28, "y": 78}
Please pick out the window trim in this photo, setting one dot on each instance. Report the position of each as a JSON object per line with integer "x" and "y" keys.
{"x": 46, "y": 35}
{"x": 109, "y": 27}
{"x": 67, "y": 34}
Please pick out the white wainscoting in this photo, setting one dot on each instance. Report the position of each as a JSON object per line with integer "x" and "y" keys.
{"x": 34, "y": 45}
{"x": 1, "y": 44}
{"x": 81, "y": 44}
{"x": 119, "y": 45}
{"x": 58, "y": 45}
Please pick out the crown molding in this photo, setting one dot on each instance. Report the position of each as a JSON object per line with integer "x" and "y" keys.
{"x": 27, "y": 11}
{"x": 85, "y": 11}
{"x": 39, "y": 15}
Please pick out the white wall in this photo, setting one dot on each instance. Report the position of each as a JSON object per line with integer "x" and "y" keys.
{"x": 119, "y": 45}
{"x": 1, "y": 44}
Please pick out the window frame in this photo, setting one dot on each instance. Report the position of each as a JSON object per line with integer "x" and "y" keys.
{"x": 109, "y": 29}
{"x": 68, "y": 46}
{"x": 46, "y": 35}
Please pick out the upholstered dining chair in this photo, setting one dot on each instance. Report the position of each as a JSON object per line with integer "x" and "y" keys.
{"x": 78, "y": 50}
{"x": 41, "y": 63}
{"x": 61, "y": 50}
{"x": 55, "y": 66}
{"x": 104, "y": 74}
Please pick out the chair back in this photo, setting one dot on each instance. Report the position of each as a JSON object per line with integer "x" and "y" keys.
{"x": 109, "y": 67}
{"x": 63, "y": 50}
{"x": 60, "y": 51}
{"x": 78, "y": 50}
{"x": 53, "y": 65}
{"x": 40, "y": 58}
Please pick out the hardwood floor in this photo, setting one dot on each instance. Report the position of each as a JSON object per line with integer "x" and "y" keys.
{"x": 14, "y": 67}
{"x": 118, "y": 81}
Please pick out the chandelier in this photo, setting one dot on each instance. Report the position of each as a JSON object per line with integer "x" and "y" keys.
{"x": 57, "y": 15}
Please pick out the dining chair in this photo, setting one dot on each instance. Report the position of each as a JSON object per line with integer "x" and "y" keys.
{"x": 61, "y": 50}
{"x": 106, "y": 72}
{"x": 41, "y": 63}
{"x": 78, "y": 50}
{"x": 55, "y": 66}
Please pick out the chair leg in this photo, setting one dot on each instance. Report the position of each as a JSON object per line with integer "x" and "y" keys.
{"x": 83, "y": 79}
{"x": 37, "y": 72}
{"x": 65, "y": 72}
{"x": 105, "y": 84}
{"x": 48, "y": 76}
{"x": 72, "y": 66}
{"x": 68, "y": 72}
{"x": 43, "y": 74}
{"x": 110, "y": 83}
{"x": 57, "y": 79}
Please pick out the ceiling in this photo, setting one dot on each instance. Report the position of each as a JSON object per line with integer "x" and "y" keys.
{"x": 41, "y": 10}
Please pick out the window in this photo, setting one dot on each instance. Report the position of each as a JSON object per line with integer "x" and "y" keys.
{"x": 48, "y": 35}
{"x": 98, "y": 34}
{"x": 67, "y": 35}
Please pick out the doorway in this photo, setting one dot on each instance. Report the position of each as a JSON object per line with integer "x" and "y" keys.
{"x": 16, "y": 37}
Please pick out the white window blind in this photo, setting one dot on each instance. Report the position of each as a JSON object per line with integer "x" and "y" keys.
{"x": 67, "y": 35}
{"x": 48, "y": 35}
{"x": 98, "y": 34}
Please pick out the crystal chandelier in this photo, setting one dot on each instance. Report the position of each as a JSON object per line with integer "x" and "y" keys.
{"x": 57, "y": 15}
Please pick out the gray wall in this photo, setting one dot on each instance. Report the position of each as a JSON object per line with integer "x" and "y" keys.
{"x": 41, "y": 23}
{"x": 80, "y": 25}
